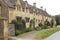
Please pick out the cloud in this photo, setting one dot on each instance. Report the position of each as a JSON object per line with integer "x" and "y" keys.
{"x": 52, "y": 6}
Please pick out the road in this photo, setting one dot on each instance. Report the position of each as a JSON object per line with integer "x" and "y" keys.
{"x": 58, "y": 26}
{"x": 55, "y": 36}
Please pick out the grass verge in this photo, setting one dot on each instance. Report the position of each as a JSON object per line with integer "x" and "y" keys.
{"x": 46, "y": 33}
{"x": 24, "y": 34}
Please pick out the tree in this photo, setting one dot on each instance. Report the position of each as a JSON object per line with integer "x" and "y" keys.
{"x": 57, "y": 18}
{"x": 32, "y": 23}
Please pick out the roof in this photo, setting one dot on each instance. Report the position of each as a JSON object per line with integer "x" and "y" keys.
{"x": 12, "y": 4}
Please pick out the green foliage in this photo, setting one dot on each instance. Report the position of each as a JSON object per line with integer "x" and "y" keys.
{"x": 32, "y": 23}
{"x": 46, "y": 33}
{"x": 29, "y": 29}
{"x": 20, "y": 26}
{"x": 57, "y": 18}
{"x": 47, "y": 23}
{"x": 40, "y": 24}
{"x": 44, "y": 27}
{"x": 19, "y": 32}
{"x": 52, "y": 23}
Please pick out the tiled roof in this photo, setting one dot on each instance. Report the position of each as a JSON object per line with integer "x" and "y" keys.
{"x": 12, "y": 4}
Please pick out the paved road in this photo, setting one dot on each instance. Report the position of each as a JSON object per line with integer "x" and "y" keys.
{"x": 55, "y": 36}
{"x": 29, "y": 36}
{"x": 58, "y": 26}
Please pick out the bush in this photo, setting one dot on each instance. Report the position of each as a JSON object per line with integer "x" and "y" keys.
{"x": 29, "y": 29}
{"x": 47, "y": 23}
{"x": 32, "y": 23}
{"x": 40, "y": 24}
{"x": 18, "y": 32}
{"x": 44, "y": 27}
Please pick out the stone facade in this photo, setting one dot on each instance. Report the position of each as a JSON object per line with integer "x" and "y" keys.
{"x": 11, "y": 30}
{"x": 3, "y": 28}
{"x": 24, "y": 10}
{"x": 3, "y": 20}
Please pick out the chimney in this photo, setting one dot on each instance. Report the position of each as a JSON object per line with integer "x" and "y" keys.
{"x": 45, "y": 9}
{"x": 34, "y": 4}
{"x": 26, "y": 1}
{"x": 41, "y": 7}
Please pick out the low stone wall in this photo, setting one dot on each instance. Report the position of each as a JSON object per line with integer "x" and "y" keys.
{"x": 11, "y": 30}
{"x": 3, "y": 29}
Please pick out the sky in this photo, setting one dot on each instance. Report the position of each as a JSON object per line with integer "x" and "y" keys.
{"x": 52, "y": 6}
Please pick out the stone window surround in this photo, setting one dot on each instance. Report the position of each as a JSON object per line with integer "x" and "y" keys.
{"x": 27, "y": 19}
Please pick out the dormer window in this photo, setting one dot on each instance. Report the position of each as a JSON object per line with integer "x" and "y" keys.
{"x": 18, "y": 8}
{"x": 26, "y": 9}
{"x": 18, "y": 18}
{"x": 34, "y": 10}
{"x": 31, "y": 12}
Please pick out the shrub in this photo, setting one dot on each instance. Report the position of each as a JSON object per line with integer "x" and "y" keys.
{"x": 44, "y": 27}
{"x": 29, "y": 29}
{"x": 47, "y": 23}
{"x": 40, "y": 24}
{"x": 18, "y": 32}
{"x": 32, "y": 23}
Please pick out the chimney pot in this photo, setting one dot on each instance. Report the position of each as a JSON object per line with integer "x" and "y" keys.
{"x": 34, "y": 4}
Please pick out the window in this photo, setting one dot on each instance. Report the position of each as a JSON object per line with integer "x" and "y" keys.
{"x": 27, "y": 19}
{"x": 19, "y": 18}
{"x": 38, "y": 20}
{"x": 23, "y": 9}
{"x": 18, "y": 8}
{"x": 26, "y": 9}
{"x": 31, "y": 12}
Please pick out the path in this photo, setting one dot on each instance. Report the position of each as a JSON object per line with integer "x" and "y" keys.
{"x": 29, "y": 36}
{"x": 58, "y": 26}
{"x": 55, "y": 36}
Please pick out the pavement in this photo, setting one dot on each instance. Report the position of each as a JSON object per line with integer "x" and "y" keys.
{"x": 30, "y": 36}
{"x": 55, "y": 36}
{"x": 58, "y": 26}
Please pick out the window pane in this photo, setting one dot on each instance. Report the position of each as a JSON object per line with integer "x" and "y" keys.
{"x": 27, "y": 19}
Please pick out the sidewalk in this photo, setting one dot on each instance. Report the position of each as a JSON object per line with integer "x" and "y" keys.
{"x": 55, "y": 36}
{"x": 28, "y": 36}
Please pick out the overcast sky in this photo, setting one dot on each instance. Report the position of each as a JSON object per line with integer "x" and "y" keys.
{"x": 52, "y": 6}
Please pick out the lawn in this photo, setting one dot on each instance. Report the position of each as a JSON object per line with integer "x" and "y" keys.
{"x": 46, "y": 33}
{"x": 24, "y": 34}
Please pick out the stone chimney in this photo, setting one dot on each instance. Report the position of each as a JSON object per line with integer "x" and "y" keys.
{"x": 26, "y": 2}
{"x": 41, "y": 7}
{"x": 45, "y": 9}
{"x": 34, "y": 4}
